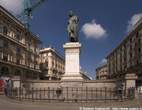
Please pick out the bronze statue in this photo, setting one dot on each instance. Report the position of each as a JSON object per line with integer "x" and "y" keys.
{"x": 72, "y": 27}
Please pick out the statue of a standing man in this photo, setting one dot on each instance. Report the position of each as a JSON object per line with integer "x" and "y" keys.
{"x": 72, "y": 27}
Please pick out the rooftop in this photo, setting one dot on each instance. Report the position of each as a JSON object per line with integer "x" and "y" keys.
{"x": 100, "y": 67}
{"x": 137, "y": 26}
{"x": 12, "y": 17}
{"x": 47, "y": 49}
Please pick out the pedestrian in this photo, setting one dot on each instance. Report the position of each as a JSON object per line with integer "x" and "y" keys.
{"x": 5, "y": 87}
{"x": 9, "y": 86}
{"x": 1, "y": 85}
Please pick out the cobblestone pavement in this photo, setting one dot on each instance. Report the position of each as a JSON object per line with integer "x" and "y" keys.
{"x": 9, "y": 104}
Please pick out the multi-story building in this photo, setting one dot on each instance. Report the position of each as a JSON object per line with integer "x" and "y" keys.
{"x": 52, "y": 64}
{"x": 102, "y": 72}
{"x": 19, "y": 48}
{"x": 126, "y": 58}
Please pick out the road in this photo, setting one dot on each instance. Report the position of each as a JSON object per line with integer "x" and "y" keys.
{"x": 10, "y": 104}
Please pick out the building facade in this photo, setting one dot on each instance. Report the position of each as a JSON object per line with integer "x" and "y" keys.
{"x": 19, "y": 48}
{"x": 102, "y": 72}
{"x": 126, "y": 58}
{"x": 52, "y": 64}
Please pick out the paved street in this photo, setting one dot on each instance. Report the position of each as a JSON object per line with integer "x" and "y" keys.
{"x": 9, "y": 104}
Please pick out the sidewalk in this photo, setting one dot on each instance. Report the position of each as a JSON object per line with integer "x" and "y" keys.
{"x": 10, "y": 104}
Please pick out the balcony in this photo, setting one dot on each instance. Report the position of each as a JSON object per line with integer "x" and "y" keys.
{"x": 13, "y": 40}
{"x": 11, "y": 60}
{"x": 32, "y": 51}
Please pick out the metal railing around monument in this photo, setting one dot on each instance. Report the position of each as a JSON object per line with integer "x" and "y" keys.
{"x": 71, "y": 94}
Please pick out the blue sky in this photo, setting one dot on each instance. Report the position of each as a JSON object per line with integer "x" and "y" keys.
{"x": 105, "y": 22}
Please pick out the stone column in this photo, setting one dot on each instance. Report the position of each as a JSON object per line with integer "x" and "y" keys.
{"x": 72, "y": 61}
{"x": 8, "y": 57}
{"x": 50, "y": 66}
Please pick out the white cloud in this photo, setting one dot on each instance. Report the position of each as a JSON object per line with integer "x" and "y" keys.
{"x": 134, "y": 19}
{"x": 104, "y": 61}
{"x": 93, "y": 30}
{"x": 14, "y": 6}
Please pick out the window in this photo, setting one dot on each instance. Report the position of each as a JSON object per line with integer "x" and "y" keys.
{"x": 4, "y": 71}
{"x": 18, "y": 50}
{"x": 18, "y": 36}
{"x": 1, "y": 28}
{"x": 1, "y": 43}
{"x": 31, "y": 57}
{"x": 139, "y": 40}
{"x": 5, "y": 44}
{"x": 131, "y": 40}
{"x": 137, "y": 34}
{"x": 137, "y": 61}
{"x": 46, "y": 63}
{"x": 131, "y": 54}
{"x": 17, "y": 72}
{"x": 5, "y": 57}
{"x": 139, "y": 50}
{"x": 5, "y": 30}
{"x": 18, "y": 61}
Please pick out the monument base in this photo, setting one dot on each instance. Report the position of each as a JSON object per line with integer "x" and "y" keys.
{"x": 72, "y": 63}
{"x": 72, "y": 77}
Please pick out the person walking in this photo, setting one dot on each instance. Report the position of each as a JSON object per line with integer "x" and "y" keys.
{"x": 5, "y": 87}
{"x": 9, "y": 87}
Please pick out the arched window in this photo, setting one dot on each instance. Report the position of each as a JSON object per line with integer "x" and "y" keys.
{"x": 1, "y": 28}
{"x": 17, "y": 72}
{"x": 1, "y": 43}
{"x": 5, "y": 71}
{"x": 5, "y": 30}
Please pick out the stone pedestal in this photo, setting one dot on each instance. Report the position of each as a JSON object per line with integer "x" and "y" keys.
{"x": 130, "y": 80}
{"x": 72, "y": 62}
